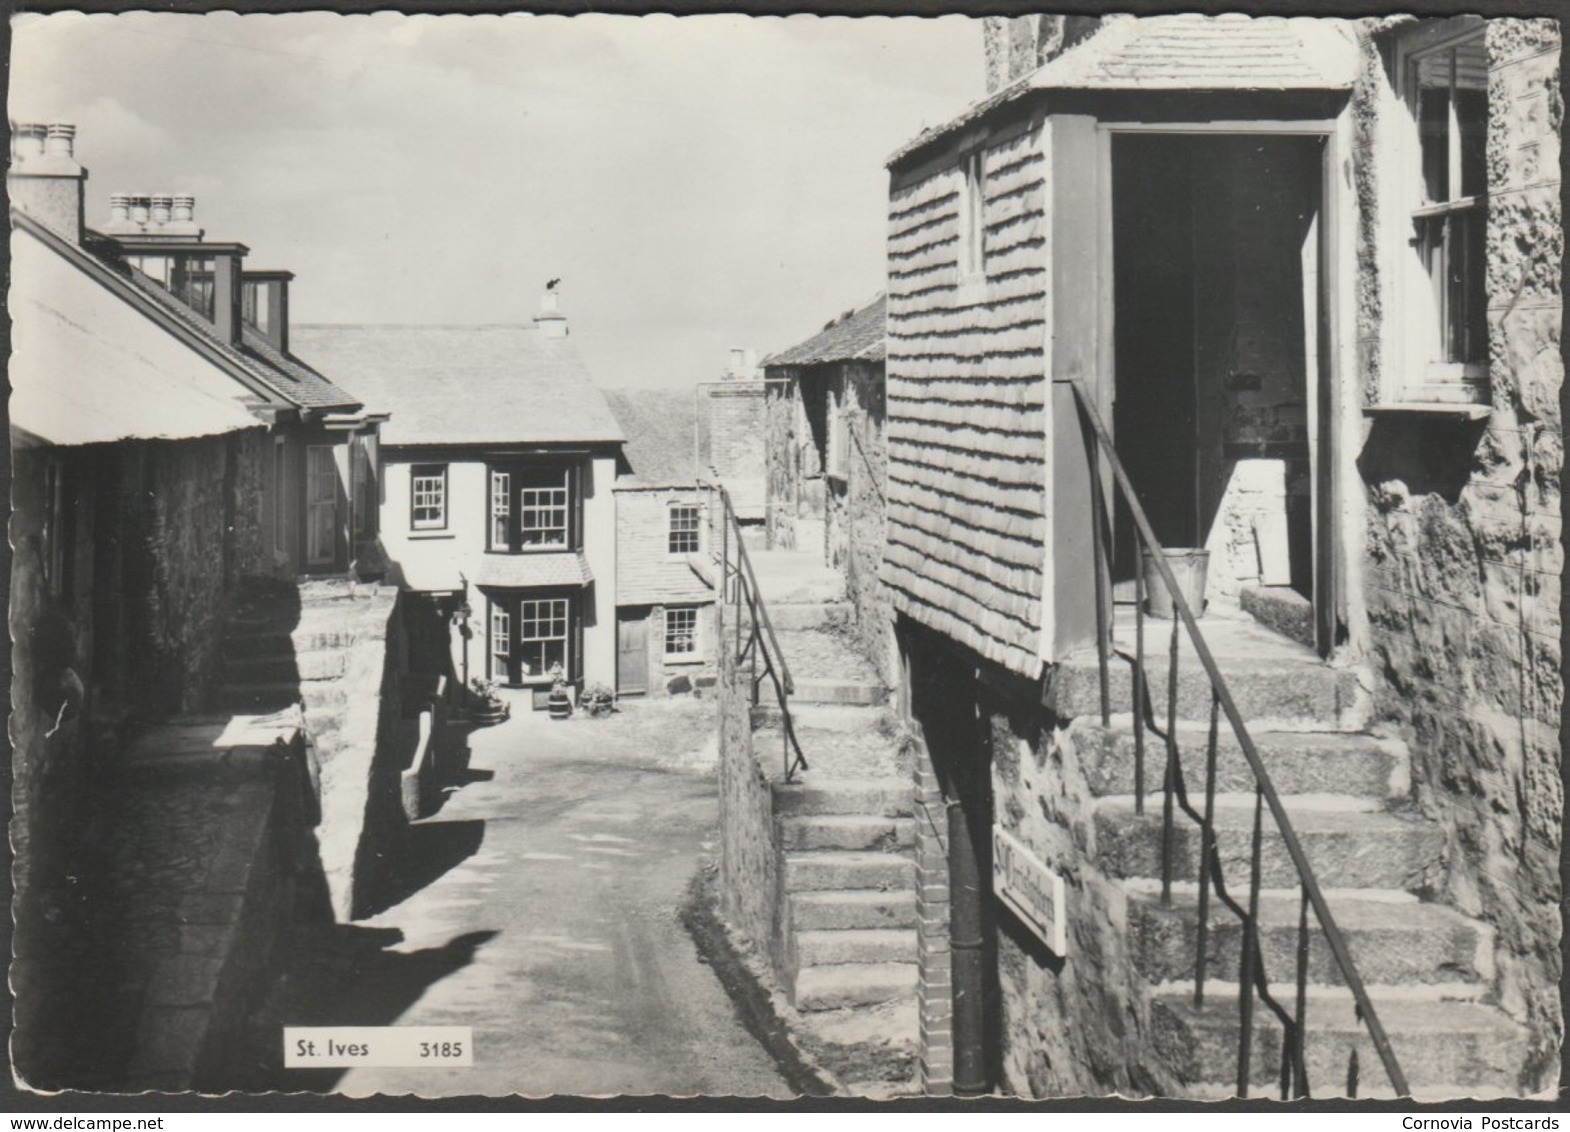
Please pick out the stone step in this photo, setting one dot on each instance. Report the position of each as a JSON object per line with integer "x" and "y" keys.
{"x": 1275, "y": 691}
{"x": 1464, "y": 1045}
{"x": 847, "y": 870}
{"x": 855, "y": 945}
{"x": 320, "y": 696}
{"x": 1282, "y": 609}
{"x": 814, "y": 690}
{"x": 862, "y": 797}
{"x": 1347, "y": 847}
{"x": 848, "y": 831}
{"x": 1298, "y": 762}
{"x": 852, "y": 984}
{"x": 796, "y": 578}
{"x": 1393, "y": 939}
{"x": 822, "y": 717}
{"x": 838, "y": 754}
{"x": 848, "y": 911}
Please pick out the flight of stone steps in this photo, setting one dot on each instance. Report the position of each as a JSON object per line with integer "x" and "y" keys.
{"x": 1428, "y": 969}
{"x": 845, "y": 825}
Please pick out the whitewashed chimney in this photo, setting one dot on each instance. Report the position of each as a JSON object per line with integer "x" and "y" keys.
{"x": 551, "y": 322}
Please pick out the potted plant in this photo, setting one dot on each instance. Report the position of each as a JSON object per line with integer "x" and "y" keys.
{"x": 561, "y": 699}
{"x": 598, "y": 700}
{"x": 485, "y": 705}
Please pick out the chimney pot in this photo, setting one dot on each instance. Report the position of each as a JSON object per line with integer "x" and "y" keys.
{"x": 27, "y": 141}
{"x": 141, "y": 205}
{"x": 60, "y": 140}
{"x": 159, "y": 212}
{"x": 119, "y": 208}
{"x": 184, "y": 205}
{"x": 551, "y": 321}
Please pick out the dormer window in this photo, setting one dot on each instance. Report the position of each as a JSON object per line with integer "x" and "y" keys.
{"x": 188, "y": 278}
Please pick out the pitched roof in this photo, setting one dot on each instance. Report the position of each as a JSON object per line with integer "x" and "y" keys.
{"x": 660, "y": 427}
{"x": 856, "y": 336}
{"x": 87, "y": 368}
{"x": 466, "y": 384}
{"x": 1188, "y": 52}
{"x": 288, "y": 377}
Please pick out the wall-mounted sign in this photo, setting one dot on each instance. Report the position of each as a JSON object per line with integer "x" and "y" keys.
{"x": 1031, "y": 891}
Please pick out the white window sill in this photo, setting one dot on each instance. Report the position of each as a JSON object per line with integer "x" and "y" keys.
{"x": 1455, "y": 409}
{"x": 431, "y": 535}
{"x": 685, "y": 660}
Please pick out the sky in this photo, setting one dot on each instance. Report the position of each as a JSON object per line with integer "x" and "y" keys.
{"x": 696, "y": 182}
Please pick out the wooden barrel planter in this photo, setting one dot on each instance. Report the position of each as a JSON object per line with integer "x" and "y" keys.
{"x": 560, "y": 703}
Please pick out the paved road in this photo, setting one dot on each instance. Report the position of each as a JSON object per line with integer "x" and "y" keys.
{"x": 550, "y": 920}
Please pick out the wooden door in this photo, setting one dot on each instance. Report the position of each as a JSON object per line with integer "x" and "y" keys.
{"x": 321, "y": 504}
{"x": 632, "y": 655}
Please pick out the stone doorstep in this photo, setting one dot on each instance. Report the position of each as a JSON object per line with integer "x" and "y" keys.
{"x": 830, "y": 690}
{"x": 1281, "y": 609}
{"x": 1393, "y": 939}
{"x": 1298, "y": 762}
{"x": 862, "y": 797}
{"x": 792, "y": 617}
{"x": 1345, "y": 848}
{"x": 820, "y": 717}
{"x": 1438, "y": 1043}
{"x": 855, "y": 945}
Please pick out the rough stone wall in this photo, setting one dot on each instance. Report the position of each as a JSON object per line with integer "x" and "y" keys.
{"x": 934, "y": 962}
{"x": 860, "y": 514}
{"x": 730, "y": 425}
{"x": 1464, "y": 551}
{"x": 1017, "y": 45}
{"x": 751, "y": 857}
{"x": 783, "y": 475}
{"x": 1078, "y": 1025}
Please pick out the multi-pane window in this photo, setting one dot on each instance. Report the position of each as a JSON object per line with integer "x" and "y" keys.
{"x": 531, "y": 507}
{"x": 501, "y": 508}
{"x": 1449, "y": 91}
{"x": 681, "y": 632}
{"x": 501, "y": 635}
{"x": 542, "y": 636}
{"x": 428, "y": 497}
{"x": 684, "y": 530}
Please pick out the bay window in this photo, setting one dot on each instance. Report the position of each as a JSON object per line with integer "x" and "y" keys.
{"x": 532, "y": 507}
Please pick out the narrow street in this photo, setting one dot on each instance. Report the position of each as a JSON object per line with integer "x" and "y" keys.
{"x": 546, "y": 916}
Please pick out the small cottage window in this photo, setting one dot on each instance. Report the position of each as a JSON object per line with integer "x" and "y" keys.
{"x": 681, "y": 632}
{"x": 542, "y": 636}
{"x": 684, "y": 529}
{"x": 1447, "y": 91}
{"x": 428, "y": 497}
{"x": 972, "y": 232}
{"x": 542, "y": 507}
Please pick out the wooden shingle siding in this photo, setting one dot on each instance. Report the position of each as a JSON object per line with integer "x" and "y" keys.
{"x": 966, "y": 403}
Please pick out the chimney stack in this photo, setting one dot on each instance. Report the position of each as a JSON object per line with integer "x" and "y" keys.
{"x": 743, "y": 364}
{"x": 44, "y": 180}
{"x": 552, "y": 323}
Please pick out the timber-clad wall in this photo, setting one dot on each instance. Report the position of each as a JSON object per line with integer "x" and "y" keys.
{"x": 966, "y": 388}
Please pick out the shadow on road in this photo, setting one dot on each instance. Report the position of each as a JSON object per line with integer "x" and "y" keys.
{"x": 431, "y": 849}
{"x": 343, "y": 975}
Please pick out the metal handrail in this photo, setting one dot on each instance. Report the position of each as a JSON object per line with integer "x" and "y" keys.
{"x": 764, "y": 643}
{"x": 1252, "y": 978}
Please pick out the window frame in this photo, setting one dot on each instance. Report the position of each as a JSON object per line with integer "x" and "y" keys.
{"x": 672, "y": 533}
{"x": 515, "y": 472}
{"x": 693, "y": 653}
{"x": 1437, "y": 237}
{"x": 418, "y": 472}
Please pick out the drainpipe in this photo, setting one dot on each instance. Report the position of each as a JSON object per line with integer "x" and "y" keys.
{"x": 965, "y": 942}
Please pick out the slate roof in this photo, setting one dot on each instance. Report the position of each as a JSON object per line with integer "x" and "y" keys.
{"x": 856, "y": 336}
{"x": 287, "y": 376}
{"x": 549, "y": 568}
{"x": 660, "y": 426}
{"x": 1187, "y": 52}
{"x": 79, "y": 375}
{"x": 466, "y": 384}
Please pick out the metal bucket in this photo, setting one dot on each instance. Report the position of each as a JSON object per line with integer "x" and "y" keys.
{"x": 1189, "y": 566}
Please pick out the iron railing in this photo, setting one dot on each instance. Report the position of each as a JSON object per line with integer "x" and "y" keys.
{"x": 1252, "y": 977}
{"x": 738, "y": 588}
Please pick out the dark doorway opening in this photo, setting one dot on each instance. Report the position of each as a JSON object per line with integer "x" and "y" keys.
{"x": 1219, "y": 353}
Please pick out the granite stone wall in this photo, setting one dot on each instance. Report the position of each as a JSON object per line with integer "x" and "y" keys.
{"x": 783, "y": 472}
{"x": 1463, "y": 551}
